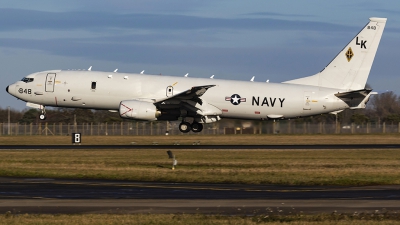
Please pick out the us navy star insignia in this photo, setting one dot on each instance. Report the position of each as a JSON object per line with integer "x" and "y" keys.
{"x": 235, "y": 99}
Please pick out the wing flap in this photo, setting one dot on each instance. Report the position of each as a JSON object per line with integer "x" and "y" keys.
{"x": 190, "y": 103}
{"x": 192, "y": 94}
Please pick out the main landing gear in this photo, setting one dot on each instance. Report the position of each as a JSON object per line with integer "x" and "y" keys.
{"x": 185, "y": 127}
{"x": 42, "y": 115}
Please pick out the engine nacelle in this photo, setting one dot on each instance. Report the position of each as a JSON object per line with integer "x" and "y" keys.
{"x": 138, "y": 110}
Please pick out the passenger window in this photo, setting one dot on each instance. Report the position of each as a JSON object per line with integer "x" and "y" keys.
{"x": 93, "y": 85}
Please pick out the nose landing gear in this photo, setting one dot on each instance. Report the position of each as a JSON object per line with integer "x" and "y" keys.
{"x": 42, "y": 116}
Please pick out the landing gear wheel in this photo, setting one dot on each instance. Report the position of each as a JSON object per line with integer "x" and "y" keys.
{"x": 184, "y": 127}
{"x": 42, "y": 116}
{"x": 197, "y": 127}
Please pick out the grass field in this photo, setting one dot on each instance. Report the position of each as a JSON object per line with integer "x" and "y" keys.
{"x": 288, "y": 167}
{"x": 357, "y": 219}
{"x": 208, "y": 139}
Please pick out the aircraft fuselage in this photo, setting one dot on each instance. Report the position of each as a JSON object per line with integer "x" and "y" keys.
{"x": 235, "y": 99}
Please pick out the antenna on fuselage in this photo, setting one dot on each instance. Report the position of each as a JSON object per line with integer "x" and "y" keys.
{"x": 186, "y": 75}
{"x": 115, "y": 70}
{"x": 212, "y": 77}
{"x": 252, "y": 79}
{"x": 90, "y": 68}
{"x": 142, "y": 72}
{"x": 267, "y": 81}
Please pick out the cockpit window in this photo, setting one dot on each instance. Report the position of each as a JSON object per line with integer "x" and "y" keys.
{"x": 27, "y": 80}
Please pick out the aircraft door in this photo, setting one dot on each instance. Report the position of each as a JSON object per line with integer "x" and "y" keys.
{"x": 307, "y": 100}
{"x": 50, "y": 82}
{"x": 170, "y": 91}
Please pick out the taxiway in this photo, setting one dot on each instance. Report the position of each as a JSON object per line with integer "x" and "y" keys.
{"x": 26, "y": 195}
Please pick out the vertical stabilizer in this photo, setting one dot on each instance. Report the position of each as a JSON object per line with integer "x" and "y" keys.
{"x": 351, "y": 67}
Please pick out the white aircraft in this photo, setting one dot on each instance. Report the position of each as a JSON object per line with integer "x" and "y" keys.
{"x": 195, "y": 101}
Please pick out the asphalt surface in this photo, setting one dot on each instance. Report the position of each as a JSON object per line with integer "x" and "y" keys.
{"x": 25, "y": 195}
{"x": 195, "y": 146}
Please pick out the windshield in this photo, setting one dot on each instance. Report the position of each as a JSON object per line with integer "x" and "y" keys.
{"x": 27, "y": 80}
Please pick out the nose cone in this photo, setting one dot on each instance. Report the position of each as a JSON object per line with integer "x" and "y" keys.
{"x": 11, "y": 89}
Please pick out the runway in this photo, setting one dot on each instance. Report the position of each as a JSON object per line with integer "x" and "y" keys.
{"x": 24, "y": 195}
{"x": 196, "y": 146}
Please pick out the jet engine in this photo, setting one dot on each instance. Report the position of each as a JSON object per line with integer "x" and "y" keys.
{"x": 138, "y": 110}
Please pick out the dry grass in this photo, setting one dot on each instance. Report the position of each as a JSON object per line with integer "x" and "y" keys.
{"x": 208, "y": 139}
{"x": 290, "y": 167}
{"x": 198, "y": 219}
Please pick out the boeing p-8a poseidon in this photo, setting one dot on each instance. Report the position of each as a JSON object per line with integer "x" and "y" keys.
{"x": 338, "y": 86}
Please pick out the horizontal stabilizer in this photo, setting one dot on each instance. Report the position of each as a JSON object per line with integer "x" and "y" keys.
{"x": 354, "y": 98}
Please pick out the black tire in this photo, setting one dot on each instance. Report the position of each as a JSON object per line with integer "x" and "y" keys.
{"x": 42, "y": 117}
{"x": 197, "y": 127}
{"x": 185, "y": 127}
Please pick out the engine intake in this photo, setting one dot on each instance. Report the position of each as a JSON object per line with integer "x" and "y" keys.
{"x": 138, "y": 110}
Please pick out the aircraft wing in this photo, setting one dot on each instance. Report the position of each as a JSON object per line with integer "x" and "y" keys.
{"x": 192, "y": 94}
{"x": 190, "y": 102}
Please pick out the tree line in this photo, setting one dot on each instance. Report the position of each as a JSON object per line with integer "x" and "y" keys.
{"x": 383, "y": 107}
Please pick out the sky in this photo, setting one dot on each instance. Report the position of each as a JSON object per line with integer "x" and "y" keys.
{"x": 231, "y": 39}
